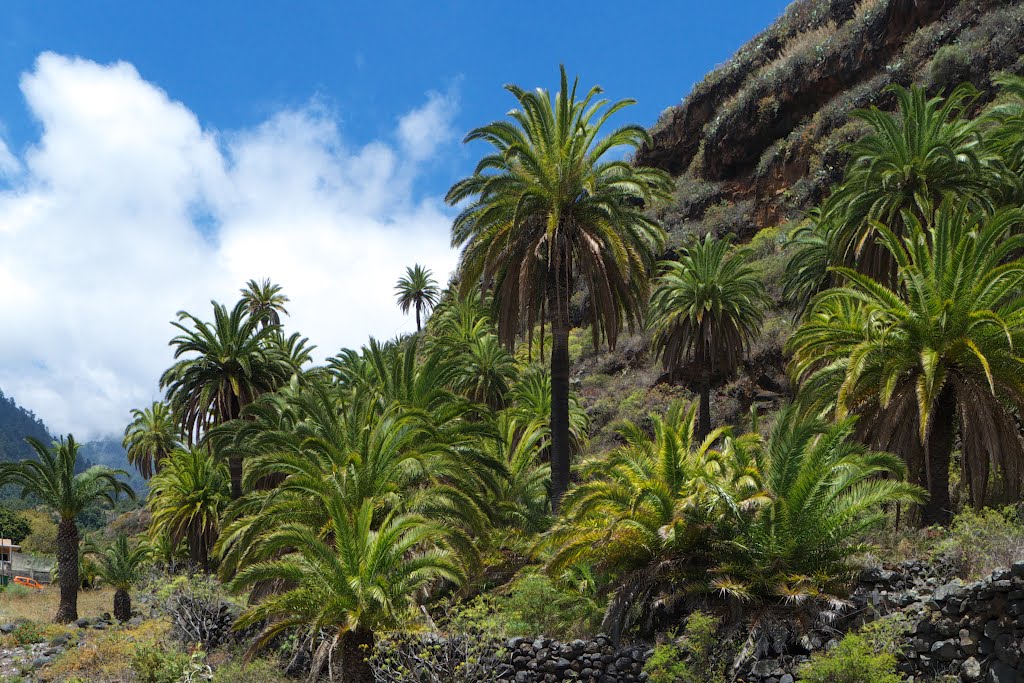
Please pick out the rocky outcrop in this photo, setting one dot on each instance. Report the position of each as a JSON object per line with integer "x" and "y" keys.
{"x": 767, "y": 128}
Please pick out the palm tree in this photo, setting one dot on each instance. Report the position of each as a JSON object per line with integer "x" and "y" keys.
{"x": 417, "y": 290}
{"x": 52, "y": 480}
{"x": 120, "y": 566}
{"x": 361, "y": 578}
{"x": 669, "y": 519}
{"x": 264, "y": 301}
{"x": 151, "y": 436}
{"x": 187, "y": 498}
{"x": 226, "y": 365}
{"x": 486, "y": 370}
{"x": 705, "y": 309}
{"x": 388, "y": 430}
{"x": 935, "y": 357}
{"x": 907, "y": 163}
{"x": 530, "y": 399}
{"x": 545, "y": 210}
{"x": 822, "y": 490}
{"x": 652, "y": 512}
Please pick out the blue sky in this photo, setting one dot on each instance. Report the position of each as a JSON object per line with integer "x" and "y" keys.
{"x": 236, "y": 63}
{"x": 155, "y": 155}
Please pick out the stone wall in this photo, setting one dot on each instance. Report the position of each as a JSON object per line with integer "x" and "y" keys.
{"x": 591, "y": 661}
{"x": 972, "y": 631}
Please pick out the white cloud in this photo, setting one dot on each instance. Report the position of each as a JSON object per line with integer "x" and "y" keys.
{"x": 127, "y": 210}
{"x": 423, "y": 130}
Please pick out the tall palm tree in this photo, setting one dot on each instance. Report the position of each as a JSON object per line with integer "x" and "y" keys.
{"x": 52, "y": 480}
{"x": 151, "y": 436}
{"x": 221, "y": 368}
{"x": 417, "y": 290}
{"x": 705, "y": 309}
{"x": 907, "y": 163}
{"x": 120, "y": 565}
{"x": 547, "y": 210}
{"x": 264, "y": 301}
{"x": 361, "y": 578}
{"x": 187, "y": 498}
{"x": 936, "y": 357}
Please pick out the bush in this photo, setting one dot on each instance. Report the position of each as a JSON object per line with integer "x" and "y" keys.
{"x": 690, "y": 658}
{"x": 980, "y": 541}
{"x": 201, "y": 612}
{"x": 152, "y": 663}
{"x": 950, "y": 66}
{"x": 767, "y": 241}
{"x": 855, "y": 660}
{"x": 13, "y": 525}
{"x": 255, "y": 671}
{"x": 43, "y": 538}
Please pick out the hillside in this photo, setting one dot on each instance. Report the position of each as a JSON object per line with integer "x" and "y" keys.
{"x": 16, "y": 423}
{"x": 757, "y": 142}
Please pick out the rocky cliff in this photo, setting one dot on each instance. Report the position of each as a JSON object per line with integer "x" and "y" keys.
{"x": 760, "y": 138}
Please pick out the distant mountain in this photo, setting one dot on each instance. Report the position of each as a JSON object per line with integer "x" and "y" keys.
{"x": 109, "y": 451}
{"x": 16, "y": 423}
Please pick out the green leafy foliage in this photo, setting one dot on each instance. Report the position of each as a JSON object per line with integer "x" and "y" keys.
{"x": 866, "y": 656}
{"x": 13, "y": 525}
{"x": 694, "y": 657}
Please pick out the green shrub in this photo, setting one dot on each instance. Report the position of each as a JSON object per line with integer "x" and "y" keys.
{"x": 13, "y": 525}
{"x": 980, "y": 541}
{"x": 950, "y": 65}
{"x": 867, "y": 656}
{"x": 533, "y": 604}
{"x": 152, "y": 663}
{"x": 256, "y": 671}
{"x": 28, "y": 632}
{"x": 690, "y": 658}
{"x": 767, "y": 241}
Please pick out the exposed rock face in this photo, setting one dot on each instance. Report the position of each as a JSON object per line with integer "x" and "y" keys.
{"x": 767, "y": 127}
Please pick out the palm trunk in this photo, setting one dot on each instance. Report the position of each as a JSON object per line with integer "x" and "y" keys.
{"x": 67, "y": 567}
{"x": 234, "y": 456}
{"x": 939, "y": 448}
{"x": 560, "y": 456}
{"x": 122, "y": 605}
{"x": 704, "y": 419}
{"x": 198, "y": 552}
{"x": 356, "y": 648}
{"x": 418, "y": 317}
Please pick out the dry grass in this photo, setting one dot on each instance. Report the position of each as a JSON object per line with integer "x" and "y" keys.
{"x": 806, "y": 40}
{"x": 41, "y": 606}
{"x": 865, "y": 6}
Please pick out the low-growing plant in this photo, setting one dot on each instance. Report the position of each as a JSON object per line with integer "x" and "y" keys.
{"x": 865, "y": 656}
{"x": 981, "y": 540}
{"x": 111, "y": 656}
{"x": 690, "y": 658}
{"x": 154, "y": 663}
{"x": 257, "y": 670}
